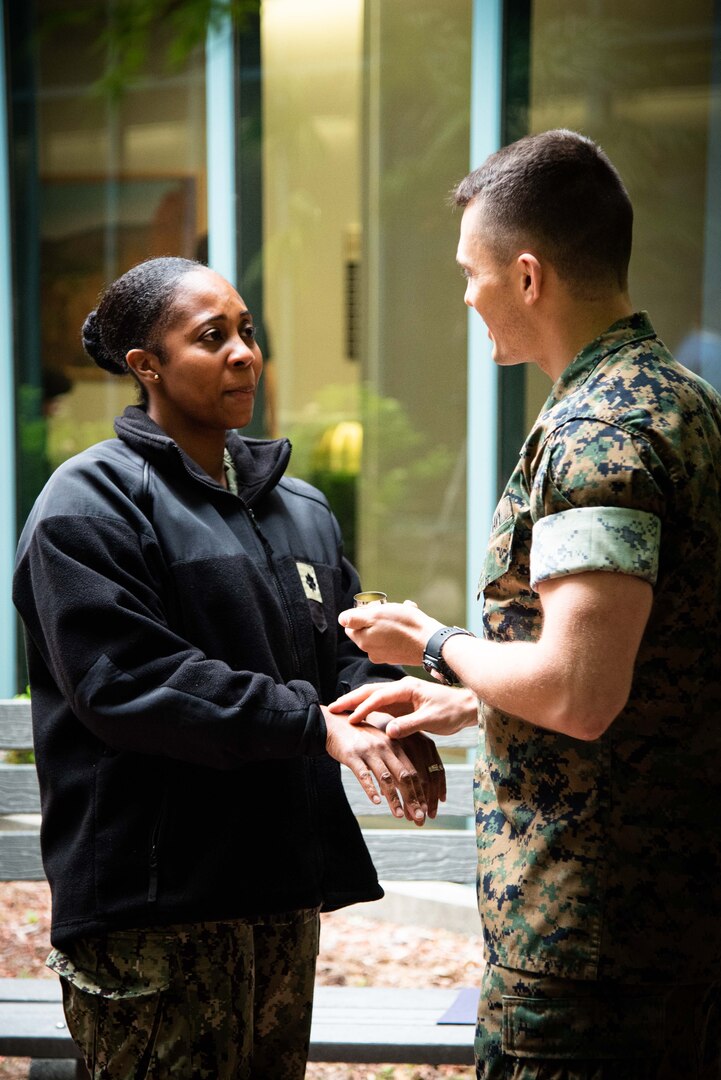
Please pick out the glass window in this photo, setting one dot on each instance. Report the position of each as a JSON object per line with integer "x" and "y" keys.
{"x": 638, "y": 79}
{"x": 352, "y": 127}
{"x": 365, "y": 132}
{"x": 99, "y": 182}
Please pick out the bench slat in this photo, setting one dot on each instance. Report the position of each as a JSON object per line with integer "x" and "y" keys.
{"x": 378, "y": 1024}
{"x": 423, "y": 854}
{"x": 47, "y": 989}
{"x": 16, "y": 729}
{"x": 467, "y": 738}
{"x": 459, "y": 797}
{"x": 35, "y": 1030}
{"x": 398, "y": 855}
{"x": 15, "y": 725}
{"x": 353, "y": 1024}
{"x": 20, "y": 856}
{"x": 19, "y": 791}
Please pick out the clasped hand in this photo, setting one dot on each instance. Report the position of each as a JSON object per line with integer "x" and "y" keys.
{"x": 408, "y": 772}
{"x": 389, "y": 717}
{"x": 398, "y": 634}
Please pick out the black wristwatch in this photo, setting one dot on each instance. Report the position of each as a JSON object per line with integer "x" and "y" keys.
{"x": 433, "y": 658}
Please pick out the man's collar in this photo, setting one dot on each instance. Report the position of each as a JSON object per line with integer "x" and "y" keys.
{"x": 634, "y": 327}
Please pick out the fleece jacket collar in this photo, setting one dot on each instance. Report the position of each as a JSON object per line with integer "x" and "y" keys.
{"x": 260, "y": 463}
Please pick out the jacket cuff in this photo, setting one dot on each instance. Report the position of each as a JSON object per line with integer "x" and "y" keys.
{"x": 316, "y": 733}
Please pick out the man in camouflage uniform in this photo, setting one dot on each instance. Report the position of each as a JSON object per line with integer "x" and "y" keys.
{"x": 599, "y": 676}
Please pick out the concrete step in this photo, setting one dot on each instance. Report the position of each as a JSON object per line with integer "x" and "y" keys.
{"x": 441, "y": 904}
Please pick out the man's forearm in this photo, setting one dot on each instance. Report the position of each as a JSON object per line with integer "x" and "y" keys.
{"x": 577, "y": 677}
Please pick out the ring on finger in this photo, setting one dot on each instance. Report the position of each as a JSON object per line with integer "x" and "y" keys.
{"x": 435, "y": 768}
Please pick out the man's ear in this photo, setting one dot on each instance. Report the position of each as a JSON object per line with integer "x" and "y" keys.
{"x": 530, "y": 277}
{"x": 145, "y": 365}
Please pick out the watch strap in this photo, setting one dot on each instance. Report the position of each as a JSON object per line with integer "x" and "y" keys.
{"x": 433, "y": 653}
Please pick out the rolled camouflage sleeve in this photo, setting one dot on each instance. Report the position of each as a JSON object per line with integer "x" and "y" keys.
{"x": 596, "y": 538}
{"x": 597, "y": 504}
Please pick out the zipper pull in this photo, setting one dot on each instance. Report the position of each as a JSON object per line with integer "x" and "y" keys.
{"x": 153, "y": 882}
{"x": 253, "y": 519}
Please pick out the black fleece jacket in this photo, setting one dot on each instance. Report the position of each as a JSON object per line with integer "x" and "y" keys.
{"x": 179, "y": 640}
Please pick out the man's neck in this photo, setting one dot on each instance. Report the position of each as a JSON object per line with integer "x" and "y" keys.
{"x": 574, "y": 325}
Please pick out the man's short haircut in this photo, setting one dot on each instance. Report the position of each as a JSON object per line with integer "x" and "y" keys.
{"x": 556, "y": 192}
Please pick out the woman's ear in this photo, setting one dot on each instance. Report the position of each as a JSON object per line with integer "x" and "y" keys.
{"x": 144, "y": 365}
{"x": 530, "y": 277}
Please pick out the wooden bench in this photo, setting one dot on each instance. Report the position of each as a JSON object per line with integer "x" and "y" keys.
{"x": 364, "y": 1024}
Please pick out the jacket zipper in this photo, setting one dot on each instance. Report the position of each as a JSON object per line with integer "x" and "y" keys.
{"x": 154, "y": 846}
{"x": 274, "y": 573}
{"x": 153, "y": 881}
{"x": 269, "y": 560}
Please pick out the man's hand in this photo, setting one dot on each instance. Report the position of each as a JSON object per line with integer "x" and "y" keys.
{"x": 369, "y": 753}
{"x": 423, "y": 706}
{"x": 390, "y": 633}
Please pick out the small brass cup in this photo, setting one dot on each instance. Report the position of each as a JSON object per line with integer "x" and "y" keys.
{"x": 369, "y": 597}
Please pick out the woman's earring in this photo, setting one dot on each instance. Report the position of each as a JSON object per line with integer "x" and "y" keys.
{"x": 156, "y": 376}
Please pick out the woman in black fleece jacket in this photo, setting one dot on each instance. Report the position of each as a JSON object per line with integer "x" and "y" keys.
{"x": 180, "y": 597}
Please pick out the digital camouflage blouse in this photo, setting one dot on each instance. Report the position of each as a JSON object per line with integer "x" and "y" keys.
{"x": 603, "y": 859}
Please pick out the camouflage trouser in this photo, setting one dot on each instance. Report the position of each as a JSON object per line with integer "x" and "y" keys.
{"x": 534, "y": 1027}
{"x": 215, "y": 1000}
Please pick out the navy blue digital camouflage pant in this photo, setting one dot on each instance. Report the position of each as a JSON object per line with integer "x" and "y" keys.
{"x": 534, "y": 1027}
{"x": 204, "y": 1001}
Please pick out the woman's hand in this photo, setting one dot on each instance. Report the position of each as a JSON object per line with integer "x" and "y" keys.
{"x": 423, "y": 752}
{"x": 372, "y": 755}
{"x": 410, "y": 705}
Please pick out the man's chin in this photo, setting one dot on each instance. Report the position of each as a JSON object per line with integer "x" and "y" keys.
{"x": 504, "y": 360}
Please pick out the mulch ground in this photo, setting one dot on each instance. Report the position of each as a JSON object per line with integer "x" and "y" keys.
{"x": 355, "y": 951}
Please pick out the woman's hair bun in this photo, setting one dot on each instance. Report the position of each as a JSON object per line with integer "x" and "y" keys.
{"x": 93, "y": 345}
